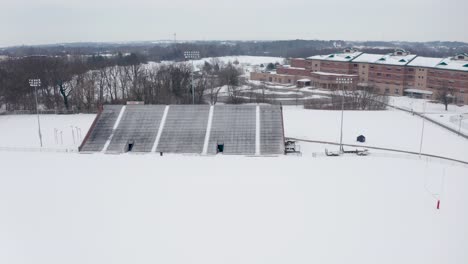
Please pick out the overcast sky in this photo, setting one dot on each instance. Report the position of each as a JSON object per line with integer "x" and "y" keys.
{"x": 56, "y": 21}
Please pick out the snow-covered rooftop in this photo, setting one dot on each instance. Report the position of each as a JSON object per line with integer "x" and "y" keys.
{"x": 391, "y": 59}
{"x": 336, "y": 56}
{"x": 440, "y": 63}
{"x": 304, "y": 80}
{"x": 368, "y": 58}
{"x": 289, "y": 67}
{"x": 418, "y": 91}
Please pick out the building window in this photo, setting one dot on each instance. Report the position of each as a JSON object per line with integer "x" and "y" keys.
{"x": 387, "y": 90}
{"x": 397, "y": 91}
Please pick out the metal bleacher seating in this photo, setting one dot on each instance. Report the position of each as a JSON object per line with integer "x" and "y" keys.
{"x": 185, "y": 129}
{"x": 103, "y": 129}
{"x": 271, "y": 130}
{"x": 234, "y": 127}
{"x": 233, "y": 130}
{"x": 137, "y": 128}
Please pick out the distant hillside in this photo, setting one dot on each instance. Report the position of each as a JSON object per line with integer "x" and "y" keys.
{"x": 169, "y": 50}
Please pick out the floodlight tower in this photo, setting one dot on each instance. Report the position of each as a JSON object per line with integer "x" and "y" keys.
{"x": 37, "y": 83}
{"x": 192, "y": 55}
{"x": 342, "y": 81}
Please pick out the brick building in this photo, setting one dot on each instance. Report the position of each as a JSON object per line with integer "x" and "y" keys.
{"x": 397, "y": 73}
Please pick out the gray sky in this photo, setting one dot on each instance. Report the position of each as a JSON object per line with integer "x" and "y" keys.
{"x": 56, "y": 21}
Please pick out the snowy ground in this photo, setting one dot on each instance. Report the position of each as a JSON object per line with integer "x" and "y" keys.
{"x": 391, "y": 129}
{"x": 77, "y": 208}
{"x": 436, "y": 111}
{"x": 243, "y": 60}
{"x": 388, "y": 129}
{"x": 58, "y": 131}
{"x": 93, "y": 208}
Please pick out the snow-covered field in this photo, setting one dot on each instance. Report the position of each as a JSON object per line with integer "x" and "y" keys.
{"x": 243, "y": 60}
{"x": 58, "y": 131}
{"x": 72, "y": 208}
{"x": 95, "y": 208}
{"x": 436, "y": 111}
{"x": 388, "y": 129}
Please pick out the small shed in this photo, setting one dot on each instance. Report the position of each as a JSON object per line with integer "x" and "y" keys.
{"x": 361, "y": 138}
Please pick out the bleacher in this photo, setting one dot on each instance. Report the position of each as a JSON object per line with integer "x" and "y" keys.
{"x": 137, "y": 129}
{"x": 233, "y": 130}
{"x": 271, "y": 130}
{"x": 233, "y": 126}
{"x": 102, "y": 129}
{"x": 185, "y": 129}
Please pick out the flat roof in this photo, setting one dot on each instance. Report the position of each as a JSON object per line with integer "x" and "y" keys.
{"x": 419, "y": 91}
{"x": 289, "y": 67}
{"x": 333, "y": 74}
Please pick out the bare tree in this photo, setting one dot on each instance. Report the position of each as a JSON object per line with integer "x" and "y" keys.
{"x": 445, "y": 95}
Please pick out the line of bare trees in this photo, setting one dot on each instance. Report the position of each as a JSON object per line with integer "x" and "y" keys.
{"x": 351, "y": 98}
{"x": 84, "y": 85}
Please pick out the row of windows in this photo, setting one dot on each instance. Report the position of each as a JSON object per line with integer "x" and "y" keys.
{"x": 387, "y": 68}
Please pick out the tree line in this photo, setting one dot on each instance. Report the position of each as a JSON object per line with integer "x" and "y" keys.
{"x": 84, "y": 84}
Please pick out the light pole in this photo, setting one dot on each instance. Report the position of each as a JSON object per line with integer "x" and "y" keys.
{"x": 460, "y": 125}
{"x": 192, "y": 55}
{"x": 422, "y": 129}
{"x": 343, "y": 82}
{"x": 35, "y": 83}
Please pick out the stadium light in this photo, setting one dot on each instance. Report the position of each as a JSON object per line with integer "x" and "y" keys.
{"x": 37, "y": 83}
{"x": 192, "y": 55}
{"x": 343, "y": 81}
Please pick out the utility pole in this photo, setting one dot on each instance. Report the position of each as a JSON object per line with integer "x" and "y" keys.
{"x": 36, "y": 83}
